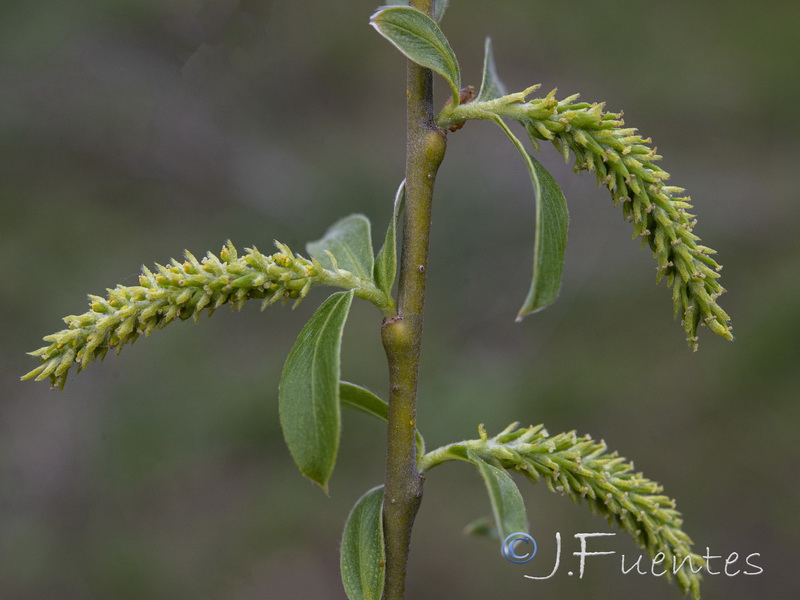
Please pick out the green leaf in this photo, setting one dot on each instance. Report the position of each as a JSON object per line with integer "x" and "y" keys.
{"x": 440, "y": 6}
{"x": 552, "y": 220}
{"x": 362, "y": 400}
{"x": 350, "y": 242}
{"x": 386, "y": 260}
{"x": 418, "y": 36}
{"x": 362, "y": 555}
{"x": 309, "y": 390}
{"x": 550, "y": 237}
{"x": 491, "y": 86}
{"x": 507, "y": 504}
{"x": 483, "y": 527}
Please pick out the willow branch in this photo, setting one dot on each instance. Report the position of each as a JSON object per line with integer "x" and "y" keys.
{"x": 402, "y": 335}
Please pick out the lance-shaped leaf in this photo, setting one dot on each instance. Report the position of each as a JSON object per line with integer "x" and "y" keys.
{"x": 483, "y": 527}
{"x": 386, "y": 260}
{"x": 550, "y": 237}
{"x": 350, "y": 242}
{"x": 418, "y": 36}
{"x": 362, "y": 559}
{"x": 309, "y": 390}
{"x": 507, "y": 504}
{"x": 439, "y": 8}
{"x": 552, "y": 220}
{"x": 491, "y": 86}
{"x": 360, "y": 399}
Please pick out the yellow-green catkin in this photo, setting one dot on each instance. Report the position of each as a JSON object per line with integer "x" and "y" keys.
{"x": 624, "y": 163}
{"x": 584, "y": 470}
{"x": 179, "y": 290}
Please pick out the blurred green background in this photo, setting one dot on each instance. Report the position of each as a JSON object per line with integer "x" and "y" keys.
{"x": 132, "y": 129}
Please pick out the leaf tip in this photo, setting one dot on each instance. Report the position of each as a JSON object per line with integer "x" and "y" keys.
{"x": 321, "y": 482}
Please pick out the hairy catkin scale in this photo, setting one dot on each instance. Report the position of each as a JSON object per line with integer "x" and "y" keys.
{"x": 624, "y": 163}
{"x": 179, "y": 290}
{"x": 584, "y": 470}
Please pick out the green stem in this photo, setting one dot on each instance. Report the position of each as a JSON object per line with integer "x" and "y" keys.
{"x": 365, "y": 290}
{"x": 402, "y": 335}
{"x": 510, "y": 106}
{"x": 436, "y": 457}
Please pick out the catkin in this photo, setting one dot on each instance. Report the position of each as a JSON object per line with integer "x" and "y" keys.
{"x": 624, "y": 163}
{"x": 583, "y": 469}
{"x": 179, "y": 290}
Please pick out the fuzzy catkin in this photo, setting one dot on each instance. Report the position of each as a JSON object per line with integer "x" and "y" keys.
{"x": 624, "y": 163}
{"x": 583, "y": 469}
{"x": 177, "y": 291}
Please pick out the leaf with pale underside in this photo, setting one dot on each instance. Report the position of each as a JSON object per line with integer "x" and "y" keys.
{"x": 386, "y": 261}
{"x": 550, "y": 234}
{"x": 362, "y": 559}
{"x": 483, "y": 527}
{"x": 440, "y": 6}
{"x": 552, "y": 220}
{"x": 508, "y": 507}
{"x": 350, "y": 242}
{"x": 310, "y": 412}
{"x": 491, "y": 86}
{"x": 418, "y": 36}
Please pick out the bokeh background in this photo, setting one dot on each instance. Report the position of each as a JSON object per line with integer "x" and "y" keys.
{"x": 132, "y": 129}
